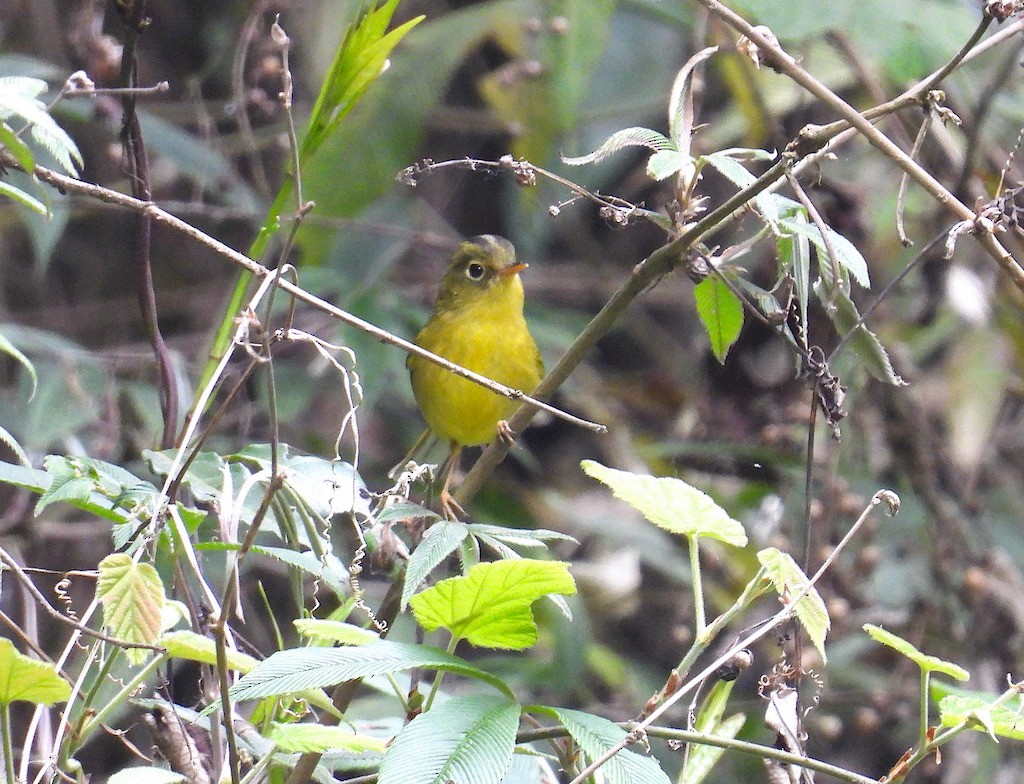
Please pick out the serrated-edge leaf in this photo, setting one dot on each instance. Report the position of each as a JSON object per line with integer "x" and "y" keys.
{"x": 318, "y": 738}
{"x": 491, "y": 606}
{"x": 30, "y": 680}
{"x": 16, "y": 147}
{"x": 922, "y": 660}
{"x": 440, "y": 541}
{"x": 627, "y": 137}
{"x": 73, "y": 491}
{"x": 847, "y": 255}
{"x": 843, "y": 313}
{"x": 523, "y": 537}
{"x": 186, "y": 644}
{"x": 595, "y": 735}
{"x": 788, "y": 579}
{"x": 326, "y": 630}
{"x": 465, "y": 739}
{"x": 670, "y": 503}
{"x": 132, "y": 596}
{"x": 300, "y": 669}
{"x": 721, "y": 312}
{"x": 14, "y": 446}
{"x": 727, "y": 164}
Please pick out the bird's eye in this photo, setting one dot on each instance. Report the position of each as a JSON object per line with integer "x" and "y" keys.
{"x": 475, "y": 271}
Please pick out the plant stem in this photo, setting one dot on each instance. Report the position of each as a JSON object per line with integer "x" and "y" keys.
{"x": 5, "y": 731}
{"x": 698, "y": 587}
{"x": 923, "y": 742}
{"x": 440, "y": 674}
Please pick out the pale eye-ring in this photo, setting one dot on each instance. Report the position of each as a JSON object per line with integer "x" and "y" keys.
{"x": 475, "y": 271}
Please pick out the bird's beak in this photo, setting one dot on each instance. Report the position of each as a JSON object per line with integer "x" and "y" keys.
{"x": 512, "y": 269}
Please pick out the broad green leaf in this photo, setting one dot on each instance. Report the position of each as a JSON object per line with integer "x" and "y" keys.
{"x": 40, "y": 481}
{"x": 663, "y": 165}
{"x": 620, "y": 140}
{"x": 491, "y": 606}
{"x": 1004, "y": 720}
{"x": 29, "y": 680}
{"x": 595, "y": 735}
{"x": 465, "y": 739}
{"x": 133, "y": 598}
{"x": 299, "y": 669}
{"x": 721, "y": 312}
{"x": 671, "y": 504}
{"x": 334, "y": 631}
{"x": 187, "y": 644}
{"x": 788, "y": 579}
{"x": 330, "y": 569}
{"x": 137, "y": 775}
{"x": 922, "y": 660}
{"x": 318, "y": 738}
{"x": 441, "y": 540}
{"x": 843, "y": 313}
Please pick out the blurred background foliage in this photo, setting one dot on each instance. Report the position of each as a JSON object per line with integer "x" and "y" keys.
{"x": 542, "y": 78}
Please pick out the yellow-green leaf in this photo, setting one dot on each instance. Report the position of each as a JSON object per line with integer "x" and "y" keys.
{"x": 317, "y": 738}
{"x": 671, "y": 504}
{"x": 133, "y": 600}
{"x": 194, "y": 647}
{"x": 30, "y": 680}
{"x": 922, "y": 660}
{"x": 721, "y": 313}
{"x": 334, "y": 631}
{"x": 491, "y": 605}
{"x": 789, "y": 580}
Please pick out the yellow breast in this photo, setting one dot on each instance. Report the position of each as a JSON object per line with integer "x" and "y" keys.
{"x": 487, "y": 335}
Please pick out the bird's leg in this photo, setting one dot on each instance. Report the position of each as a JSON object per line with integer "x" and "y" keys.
{"x": 450, "y": 508}
{"x": 505, "y": 434}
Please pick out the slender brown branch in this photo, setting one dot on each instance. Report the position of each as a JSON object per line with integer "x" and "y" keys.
{"x": 786, "y": 65}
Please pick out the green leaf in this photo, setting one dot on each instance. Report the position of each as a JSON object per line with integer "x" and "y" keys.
{"x": 491, "y": 606}
{"x": 25, "y": 200}
{"x": 595, "y": 735}
{"x": 318, "y": 739}
{"x": 133, "y": 598}
{"x": 727, "y": 163}
{"x": 519, "y": 537}
{"x": 788, "y": 579}
{"x": 702, "y": 758}
{"x": 14, "y": 446}
{"x": 299, "y": 669}
{"x": 865, "y": 344}
{"x": 663, "y": 165}
{"x": 847, "y": 255}
{"x": 721, "y": 312}
{"x": 620, "y": 140}
{"x": 1004, "y": 720}
{"x": 440, "y": 541}
{"x": 794, "y": 252}
{"x": 334, "y": 631}
{"x": 40, "y": 481}
{"x": 188, "y": 645}
{"x": 922, "y": 660}
{"x": 671, "y": 504}
{"x": 29, "y": 680}
{"x": 465, "y": 739}
{"x": 15, "y": 146}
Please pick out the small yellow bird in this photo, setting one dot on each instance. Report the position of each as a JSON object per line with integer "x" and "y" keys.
{"x": 478, "y": 323}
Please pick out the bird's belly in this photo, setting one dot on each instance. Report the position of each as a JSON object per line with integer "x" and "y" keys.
{"x": 458, "y": 410}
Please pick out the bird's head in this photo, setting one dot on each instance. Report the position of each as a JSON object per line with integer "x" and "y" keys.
{"x": 483, "y": 268}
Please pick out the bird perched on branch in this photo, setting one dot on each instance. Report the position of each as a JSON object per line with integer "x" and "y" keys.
{"x": 477, "y": 323}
